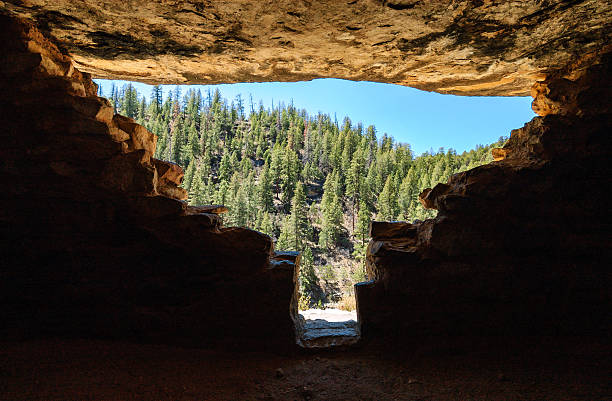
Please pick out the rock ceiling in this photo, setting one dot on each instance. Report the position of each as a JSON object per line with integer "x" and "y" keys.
{"x": 477, "y": 47}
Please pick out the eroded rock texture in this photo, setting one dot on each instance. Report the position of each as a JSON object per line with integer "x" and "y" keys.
{"x": 96, "y": 238}
{"x": 98, "y": 242}
{"x": 469, "y": 47}
{"x": 520, "y": 246}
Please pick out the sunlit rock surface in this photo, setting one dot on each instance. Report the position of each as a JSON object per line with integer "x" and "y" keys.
{"x": 463, "y": 47}
{"x": 328, "y": 328}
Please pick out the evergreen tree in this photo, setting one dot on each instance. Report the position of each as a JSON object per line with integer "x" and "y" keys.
{"x": 386, "y": 201}
{"x": 285, "y": 241}
{"x": 157, "y": 98}
{"x": 129, "y": 102}
{"x": 299, "y": 218}
{"x": 363, "y": 223}
{"x": 267, "y": 226}
{"x": 188, "y": 178}
{"x": 308, "y": 280}
{"x": 331, "y": 225}
{"x": 197, "y": 191}
{"x": 239, "y": 212}
{"x": 354, "y": 183}
{"x": 264, "y": 190}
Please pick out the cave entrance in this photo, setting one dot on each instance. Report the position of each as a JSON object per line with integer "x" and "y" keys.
{"x": 310, "y": 182}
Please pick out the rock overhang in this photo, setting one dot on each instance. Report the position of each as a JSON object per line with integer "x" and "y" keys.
{"x": 489, "y": 48}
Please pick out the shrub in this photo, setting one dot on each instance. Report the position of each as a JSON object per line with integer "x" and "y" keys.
{"x": 348, "y": 303}
{"x": 304, "y": 302}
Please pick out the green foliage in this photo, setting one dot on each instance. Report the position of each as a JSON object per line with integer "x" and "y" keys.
{"x": 128, "y": 103}
{"x": 363, "y": 222}
{"x": 268, "y": 166}
{"x": 387, "y": 201}
{"x": 296, "y": 228}
{"x": 359, "y": 274}
{"x": 308, "y": 280}
{"x": 304, "y": 302}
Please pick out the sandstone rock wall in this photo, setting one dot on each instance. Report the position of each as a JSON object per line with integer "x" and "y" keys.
{"x": 465, "y": 47}
{"x": 97, "y": 240}
{"x": 521, "y": 245}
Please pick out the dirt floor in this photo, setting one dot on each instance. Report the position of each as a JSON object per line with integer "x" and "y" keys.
{"x": 103, "y": 370}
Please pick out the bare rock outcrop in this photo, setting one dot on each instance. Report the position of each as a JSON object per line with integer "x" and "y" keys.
{"x": 467, "y": 47}
{"x": 97, "y": 240}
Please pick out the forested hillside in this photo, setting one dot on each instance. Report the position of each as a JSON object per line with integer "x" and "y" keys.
{"x": 309, "y": 182}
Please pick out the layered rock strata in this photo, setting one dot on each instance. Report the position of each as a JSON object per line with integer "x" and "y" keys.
{"x": 519, "y": 246}
{"x": 97, "y": 240}
{"x": 466, "y": 47}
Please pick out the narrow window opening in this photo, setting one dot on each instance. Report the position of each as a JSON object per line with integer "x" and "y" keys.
{"x": 327, "y": 307}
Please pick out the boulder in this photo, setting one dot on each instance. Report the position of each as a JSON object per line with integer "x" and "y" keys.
{"x": 140, "y": 137}
{"x": 380, "y": 230}
{"x": 169, "y": 177}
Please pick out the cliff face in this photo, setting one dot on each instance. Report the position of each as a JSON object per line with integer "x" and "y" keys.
{"x": 96, "y": 238}
{"x": 467, "y": 47}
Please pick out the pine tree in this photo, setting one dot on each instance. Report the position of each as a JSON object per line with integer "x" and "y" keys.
{"x": 188, "y": 178}
{"x": 239, "y": 212}
{"x": 157, "y": 98}
{"x": 386, "y": 201}
{"x": 331, "y": 223}
{"x": 276, "y": 169}
{"x": 289, "y": 174}
{"x": 267, "y": 227}
{"x": 129, "y": 103}
{"x": 264, "y": 190}
{"x": 225, "y": 168}
{"x": 363, "y": 222}
{"x": 299, "y": 217}
{"x": 295, "y": 230}
{"x": 308, "y": 280}
{"x": 285, "y": 242}
{"x": 355, "y": 183}
{"x": 142, "y": 108}
{"x": 197, "y": 191}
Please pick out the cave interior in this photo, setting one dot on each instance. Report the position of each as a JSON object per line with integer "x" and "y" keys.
{"x": 504, "y": 295}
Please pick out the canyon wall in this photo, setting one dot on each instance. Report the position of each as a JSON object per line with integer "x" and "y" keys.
{"x": 97, "y": 240}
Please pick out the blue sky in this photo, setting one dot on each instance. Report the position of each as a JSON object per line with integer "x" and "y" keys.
{"x": 424, "y": 120}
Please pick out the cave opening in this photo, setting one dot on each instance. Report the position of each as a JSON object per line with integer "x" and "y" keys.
{"x": 311, "y": 183}
{"x": 99, "y": 243}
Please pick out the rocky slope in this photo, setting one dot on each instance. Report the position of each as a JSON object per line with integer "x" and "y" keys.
{"x": 468, "y": 47}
